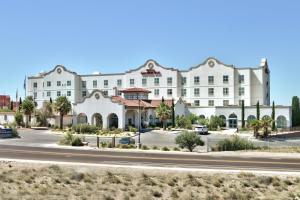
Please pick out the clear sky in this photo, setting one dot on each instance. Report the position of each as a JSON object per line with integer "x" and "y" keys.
{"x": 114, "y": 36}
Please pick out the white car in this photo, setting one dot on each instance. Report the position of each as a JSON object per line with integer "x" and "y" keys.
{"x": 200, "y": 129}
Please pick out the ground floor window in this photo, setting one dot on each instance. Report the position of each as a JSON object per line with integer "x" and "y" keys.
{"x": 281, "y": 122}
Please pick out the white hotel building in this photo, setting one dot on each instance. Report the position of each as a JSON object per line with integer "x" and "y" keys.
{"x": 210, "y": 88}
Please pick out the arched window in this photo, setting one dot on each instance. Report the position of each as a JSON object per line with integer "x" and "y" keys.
{"x": 232, "y": 121}
{"x": 202, "y": 116}
{"x": 251, "y": 118}
{"x": 281, "y": 121}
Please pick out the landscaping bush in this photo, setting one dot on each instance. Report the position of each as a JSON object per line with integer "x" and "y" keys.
{"x": 189, "y": 140}
{"x": 19, "y": 118}
{"x": 155, "y": 148}
{"x": 183, "y": 122}
{"x": 144, "y": 147}
{"x": 234, "y": 143}
{"x": 165, "y": 149}
{"x": 85, "y": 128}
{"x": 72, "y": 140}
{"x": 132, "y": 129}
{"x": 176, "y": 149}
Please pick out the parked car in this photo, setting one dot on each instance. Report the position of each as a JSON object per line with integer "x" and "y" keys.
{"x": 201, "y": 129}
{"x": 127, "y": 140}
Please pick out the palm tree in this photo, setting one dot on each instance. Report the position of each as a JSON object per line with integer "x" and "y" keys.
{"x": 255, "y": 124}
{"x": 27, "y": 108}
{"x": 63, "y": 106}
{"x": 266, "y": 124}
{"x": 163, "y": 112}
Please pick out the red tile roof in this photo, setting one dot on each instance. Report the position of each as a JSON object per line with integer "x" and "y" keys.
{"x": 142, "y": 103}
{"x": 128, "y": 90}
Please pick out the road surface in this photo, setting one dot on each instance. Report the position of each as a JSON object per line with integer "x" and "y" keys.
{"x": 149, "y": 159}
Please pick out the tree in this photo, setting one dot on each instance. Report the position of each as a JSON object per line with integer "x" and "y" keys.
{"x": 243, "y": 114}
{"x": 265, "y": 123}
{"x": 44, "y": 113}
{"x": 295, "y": 111}
{"x": 163, "y": 112}
{"x": 63, "y": 106}
{"x": 215, "y": 122}
{"x": 257, "y": 111}
{"x": 28, "y": 108}
{"x": 173, "y": 114}
{"x": 189, "y": 140}
{"x": 183, "y": 122}
{"x": 255, "y": 124}
{"x": 11, "y": 105}
{"x": 273, "y": 117}
{"x": 20, "y": 103}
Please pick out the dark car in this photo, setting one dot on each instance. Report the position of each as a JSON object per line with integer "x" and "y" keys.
{"x": 127, "y": 140}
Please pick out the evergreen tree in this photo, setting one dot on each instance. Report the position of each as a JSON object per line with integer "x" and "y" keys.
{"x": 273, "y": 117}
{"x": 51, "y": 100}
{"x": 173, "y": 114}
{"x": 257, "y": 111}
{"x": 243, "y": 114}
{"x": 295, "y": 111}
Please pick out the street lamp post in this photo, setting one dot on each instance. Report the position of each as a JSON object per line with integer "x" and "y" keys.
{"x": 139, "y": 115}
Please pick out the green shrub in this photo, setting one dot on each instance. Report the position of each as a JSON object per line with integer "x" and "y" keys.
{"x": 234, "y": 143}
{"x": 189, "y": 140}
{"x": 72, "y": 140}
{"x": 103, "y": 144}
{"x": 176, "y": 149}
{"x": 85, "y": 128}
{"x": 132, "y": 129}
{"x": 183, "y": 122}
{"x": 19, "y": 118}
{"x": 125, "y": 146}
{"x": 155, "y": 148}
{"x": 144, "y": 147}
{"x": 165, "y": 149}
{"x": 15, "y": 132}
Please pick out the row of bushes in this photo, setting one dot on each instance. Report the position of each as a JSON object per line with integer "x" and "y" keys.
{"x": 234, "y": 143}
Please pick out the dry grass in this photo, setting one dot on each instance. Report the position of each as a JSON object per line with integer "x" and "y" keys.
{"x": 280, "y": 149}
{"x": 20, "y": 181}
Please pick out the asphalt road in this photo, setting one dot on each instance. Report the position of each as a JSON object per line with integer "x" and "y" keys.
{"x": 149, "y": 159}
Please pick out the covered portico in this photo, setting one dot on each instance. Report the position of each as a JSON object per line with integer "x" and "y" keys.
{"x": 99, "y": 110}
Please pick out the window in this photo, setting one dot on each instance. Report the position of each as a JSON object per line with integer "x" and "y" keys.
{"x": 58, "y": 83}
{"x": 156, "y": 92}
{"x": 34, "y": 95}
{"x": 211, "y": 103}
{"x": 156, "y": 81}
{"x": 211, "y": 91}
{"x": 5, "y": 117}
{"x": 94, "y": 83}
{"x": 196, "y": 80}
{"x": 48, "y": 94}
{"x": 169, "y": 92}
{"x": 241, "y": 91}
{"x": 196, "y": 103}
{"x": 68, "y": 83}
{"x": 105, "y": 93}
{"x": 83, "y": 93}
{"x": 83, "y": 84}
{"x": 183, "y": 92}
{"x": 58, "y": 93}
{"x": 169, "y": 80}
{"x": 35, "y": 84}
{"x": 210, "y": 80}
{"x": 225, "y": 91}
{"x": 241, "y": 79}
{"x": 196, "y": 92}
{"x": 68, "y": 93}
{"x": 105, "y": 82}
{"x": 48, "y": 83}
{"x": 131, "y": 82}
{"x": 144, "y": 81}
{"x": 119, "y": 82}
{"x": 183, "y": 80}
{"x": 225, "y": 102}
{"x": 225, "y": 79}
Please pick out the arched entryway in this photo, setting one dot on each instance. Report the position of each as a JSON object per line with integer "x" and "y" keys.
{"x": 224, "y": 120}
{"x": 232, "y": 121}
{"x": 82, "y": 119}
{"x": 281, "y": 122}
{"x": 97, "y": 120}
{"x": 113, "y": 121}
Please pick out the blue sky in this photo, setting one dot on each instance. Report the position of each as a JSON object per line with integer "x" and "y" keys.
{"x": 114, "y": 36}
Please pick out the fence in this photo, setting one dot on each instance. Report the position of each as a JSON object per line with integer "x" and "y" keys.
{"x": 113, "y": 140}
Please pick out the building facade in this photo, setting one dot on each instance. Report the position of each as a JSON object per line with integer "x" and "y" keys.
{"x": 210, "y": 88}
